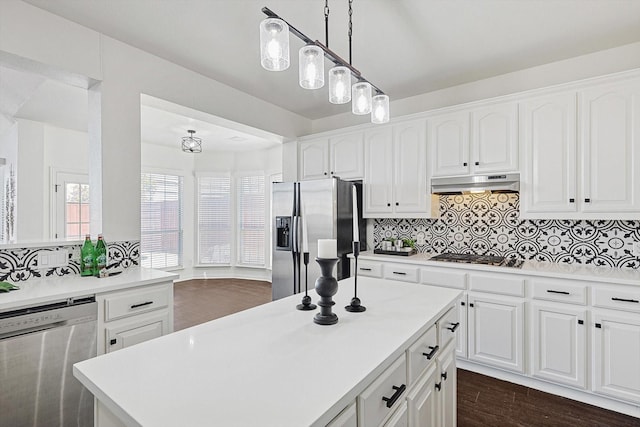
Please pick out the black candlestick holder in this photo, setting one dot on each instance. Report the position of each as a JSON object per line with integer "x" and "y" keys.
{"x": 355, "y": 306}
{"x": 306, "y": 299}
{"x": 326, "y": 287}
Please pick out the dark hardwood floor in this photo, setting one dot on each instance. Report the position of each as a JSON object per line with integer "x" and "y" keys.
{"x": 482, "y": 401}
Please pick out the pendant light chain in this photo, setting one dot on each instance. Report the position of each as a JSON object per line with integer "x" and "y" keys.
{"x": 326, "y": 22}
{"x": 350, "y": 29}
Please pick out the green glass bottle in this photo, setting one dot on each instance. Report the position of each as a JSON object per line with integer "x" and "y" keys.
{"x": 101, "y": 256}
{"x": 87, "y": 257}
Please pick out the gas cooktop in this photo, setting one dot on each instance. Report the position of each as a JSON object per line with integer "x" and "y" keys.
{"x": 479, "y": 259}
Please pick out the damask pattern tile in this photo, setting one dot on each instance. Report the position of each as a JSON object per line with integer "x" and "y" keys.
{"x": 489, "y": 225}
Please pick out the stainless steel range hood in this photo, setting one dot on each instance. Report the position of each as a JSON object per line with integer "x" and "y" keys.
{"x": 501, "y": 183}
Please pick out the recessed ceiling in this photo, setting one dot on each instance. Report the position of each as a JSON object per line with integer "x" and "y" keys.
{"x": 406, "y": 47}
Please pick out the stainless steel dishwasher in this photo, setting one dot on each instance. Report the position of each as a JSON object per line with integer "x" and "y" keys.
{"x": 38, "y": 347}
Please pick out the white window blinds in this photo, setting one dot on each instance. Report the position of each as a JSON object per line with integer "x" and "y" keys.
{"x": 161, "y": 220}
{"x": 251, "y": 220}
{"x": 214, "y": 219}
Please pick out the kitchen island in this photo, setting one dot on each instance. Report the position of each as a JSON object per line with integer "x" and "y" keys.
{"x": 273, "y": 366}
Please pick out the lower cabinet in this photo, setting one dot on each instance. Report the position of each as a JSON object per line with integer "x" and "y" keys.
{"x": 347, "y": 418}
{"x": 559, "y": 338}
{"x": 447, "y": 407}
{"x": 136, "y": 330}
{"x": 496, "y": 330}
{"x": 422, "y": 402}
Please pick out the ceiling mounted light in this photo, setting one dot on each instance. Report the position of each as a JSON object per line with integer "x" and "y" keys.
{"x": 274, "y": 53}
{"x": 191, "y": 144}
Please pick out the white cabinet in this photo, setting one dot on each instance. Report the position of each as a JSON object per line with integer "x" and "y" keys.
{"x": 134, "y": 315}
{"x": 340, "y": 156}
{"x": 496, "y": 330}
{"x": 616, "y": 352}
{"x": 610, "y": 133}
{"x": 347, "y": 418}
{"x": 548, "y": 135}
{"x": 447, "y": 389}
{"x": 559, "y": 343}
{"x": 483, "y": 140}
{"x": 422, "y": 402}
{"x": 396, "y": 172}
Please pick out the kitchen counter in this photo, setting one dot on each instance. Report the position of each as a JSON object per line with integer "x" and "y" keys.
{"x": 623, "y": 276}
{"x": 49, "y": 289}
{"x": 270, "y": 365}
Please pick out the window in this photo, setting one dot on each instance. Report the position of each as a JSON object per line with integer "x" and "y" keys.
{"x": 161, "y": 222}
{"x": 76, "y": 207}
{"x": 251, "y": 220}
{"x": 214, "y": 220}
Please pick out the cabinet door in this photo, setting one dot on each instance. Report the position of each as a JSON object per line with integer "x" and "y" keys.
{"x": 494, "y": 141}
{"x": 461, "y": 333}
{"x": 616, "y": 352}
{"x": 496, "y": 331}
{"x": 611, "y": 148}
{"x": 314, "y": 159}
{"x": 449, "y": 144}
{"x": 422, "y": 402}
{"x": 399, "y": 417}
{"x": 346, "y": 154}
{"x": 135, "y": 330}
{"x": 378, "y": 169}
{"x": 448, "y": 378}
{"x": 559, "y": 344}
{"x": 548, "y": 179}
{"x": 410, "y": 168}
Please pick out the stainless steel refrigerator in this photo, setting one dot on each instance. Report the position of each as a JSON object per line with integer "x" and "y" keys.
{"x": 329, "y": 213}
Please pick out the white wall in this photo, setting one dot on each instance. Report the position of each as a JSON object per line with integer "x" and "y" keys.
{"x": 31, "y": 202}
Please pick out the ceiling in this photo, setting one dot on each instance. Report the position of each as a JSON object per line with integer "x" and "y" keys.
{"x": 405, "y": 47}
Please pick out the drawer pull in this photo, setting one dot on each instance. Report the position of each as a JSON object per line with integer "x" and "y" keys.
{"x": 398, "y": 392}
{"x": 142, "y": 304}
{"x": 444, "y": 375}
{"x": 454, "y": 326}
{"x": 580, "y": 322}
{"x": 551, "y": 291}
{"x": 432, "y": 353}
{"x": 439, "y": 386}
{"x": 365, "y": 269}
{"x": 599, "y": 325}
{"x": 624, "y": 300}
{"x": 400, "y": 273}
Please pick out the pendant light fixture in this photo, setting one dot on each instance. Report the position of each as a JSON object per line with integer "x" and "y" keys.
{"x": 365, "y": 97}
{"x": 191, "y": 144}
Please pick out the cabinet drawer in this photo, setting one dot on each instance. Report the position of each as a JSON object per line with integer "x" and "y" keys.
{"x": 385, "y": 394}
{"x": 128, "y": 332}
{"x": 447, "y": 327}
{"x": 497, "y": 284}
{"x": 616, "y": 297}
{"x": 421, "y": 354}
{"x": 448, "y": 279}
{"x": 370, "y": 269}
{"x": 137, "y": 301}
{"x": 405, "y": 273}
{"x": 560, "y": 290}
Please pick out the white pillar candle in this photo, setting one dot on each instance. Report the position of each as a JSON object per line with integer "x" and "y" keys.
{"x": 356, "y": 232}
{"x": 305, "y": 232}
{"x": 327, "y": 248}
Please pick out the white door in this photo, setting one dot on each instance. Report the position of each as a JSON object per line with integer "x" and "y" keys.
{"x": 71, "y": 219}
{"x": 422, "y": 401}
{"x": 559, "y": 336}
{"x": 494, "y": 138}
{"x": 378, "y": 169}
{"x": 610, "y": 147}
{"x": 346, "y": 154}
{"x": 448, "y": 388}
{"x": 616, "y": 355}
{"x": 314, "y": 159}
{"x": 496, "y": 331}
{"x": 410, "y": 168}
{"x": 449, "y": 144}
{"x": 548, "y": 180}
{"x": 461, "y": 332}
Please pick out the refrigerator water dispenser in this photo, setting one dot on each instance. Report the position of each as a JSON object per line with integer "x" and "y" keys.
{"x": 283, "y": 233}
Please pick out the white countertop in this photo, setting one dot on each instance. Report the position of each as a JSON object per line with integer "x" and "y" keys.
{"x": 268, "y": 366}
{"x": 610, "y": 275}
{"x": 49, "y": 289}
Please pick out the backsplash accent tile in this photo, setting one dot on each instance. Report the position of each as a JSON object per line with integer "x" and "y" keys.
{"x": 489, "y": 225}
{"x": 20, "y": 264}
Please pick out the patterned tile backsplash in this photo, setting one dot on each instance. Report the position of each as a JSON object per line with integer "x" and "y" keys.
{"x": 489, "y": 225}
{"x": 20, "y": 264}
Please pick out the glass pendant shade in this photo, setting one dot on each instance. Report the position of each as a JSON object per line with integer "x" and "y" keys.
{"x": 339, "y": 85}
{"x": 274, "y": 44}
{"x": 361, "y": 98}
{"x": 380, "y": 109}
{"x": 311, "y": 67}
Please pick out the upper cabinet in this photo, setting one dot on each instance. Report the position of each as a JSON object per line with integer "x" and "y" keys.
{"x": 396, "y": 171}
{"x": 586, "y": 168}
{"x": 482, "y": 140}
{"x": 340, "y": 156}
